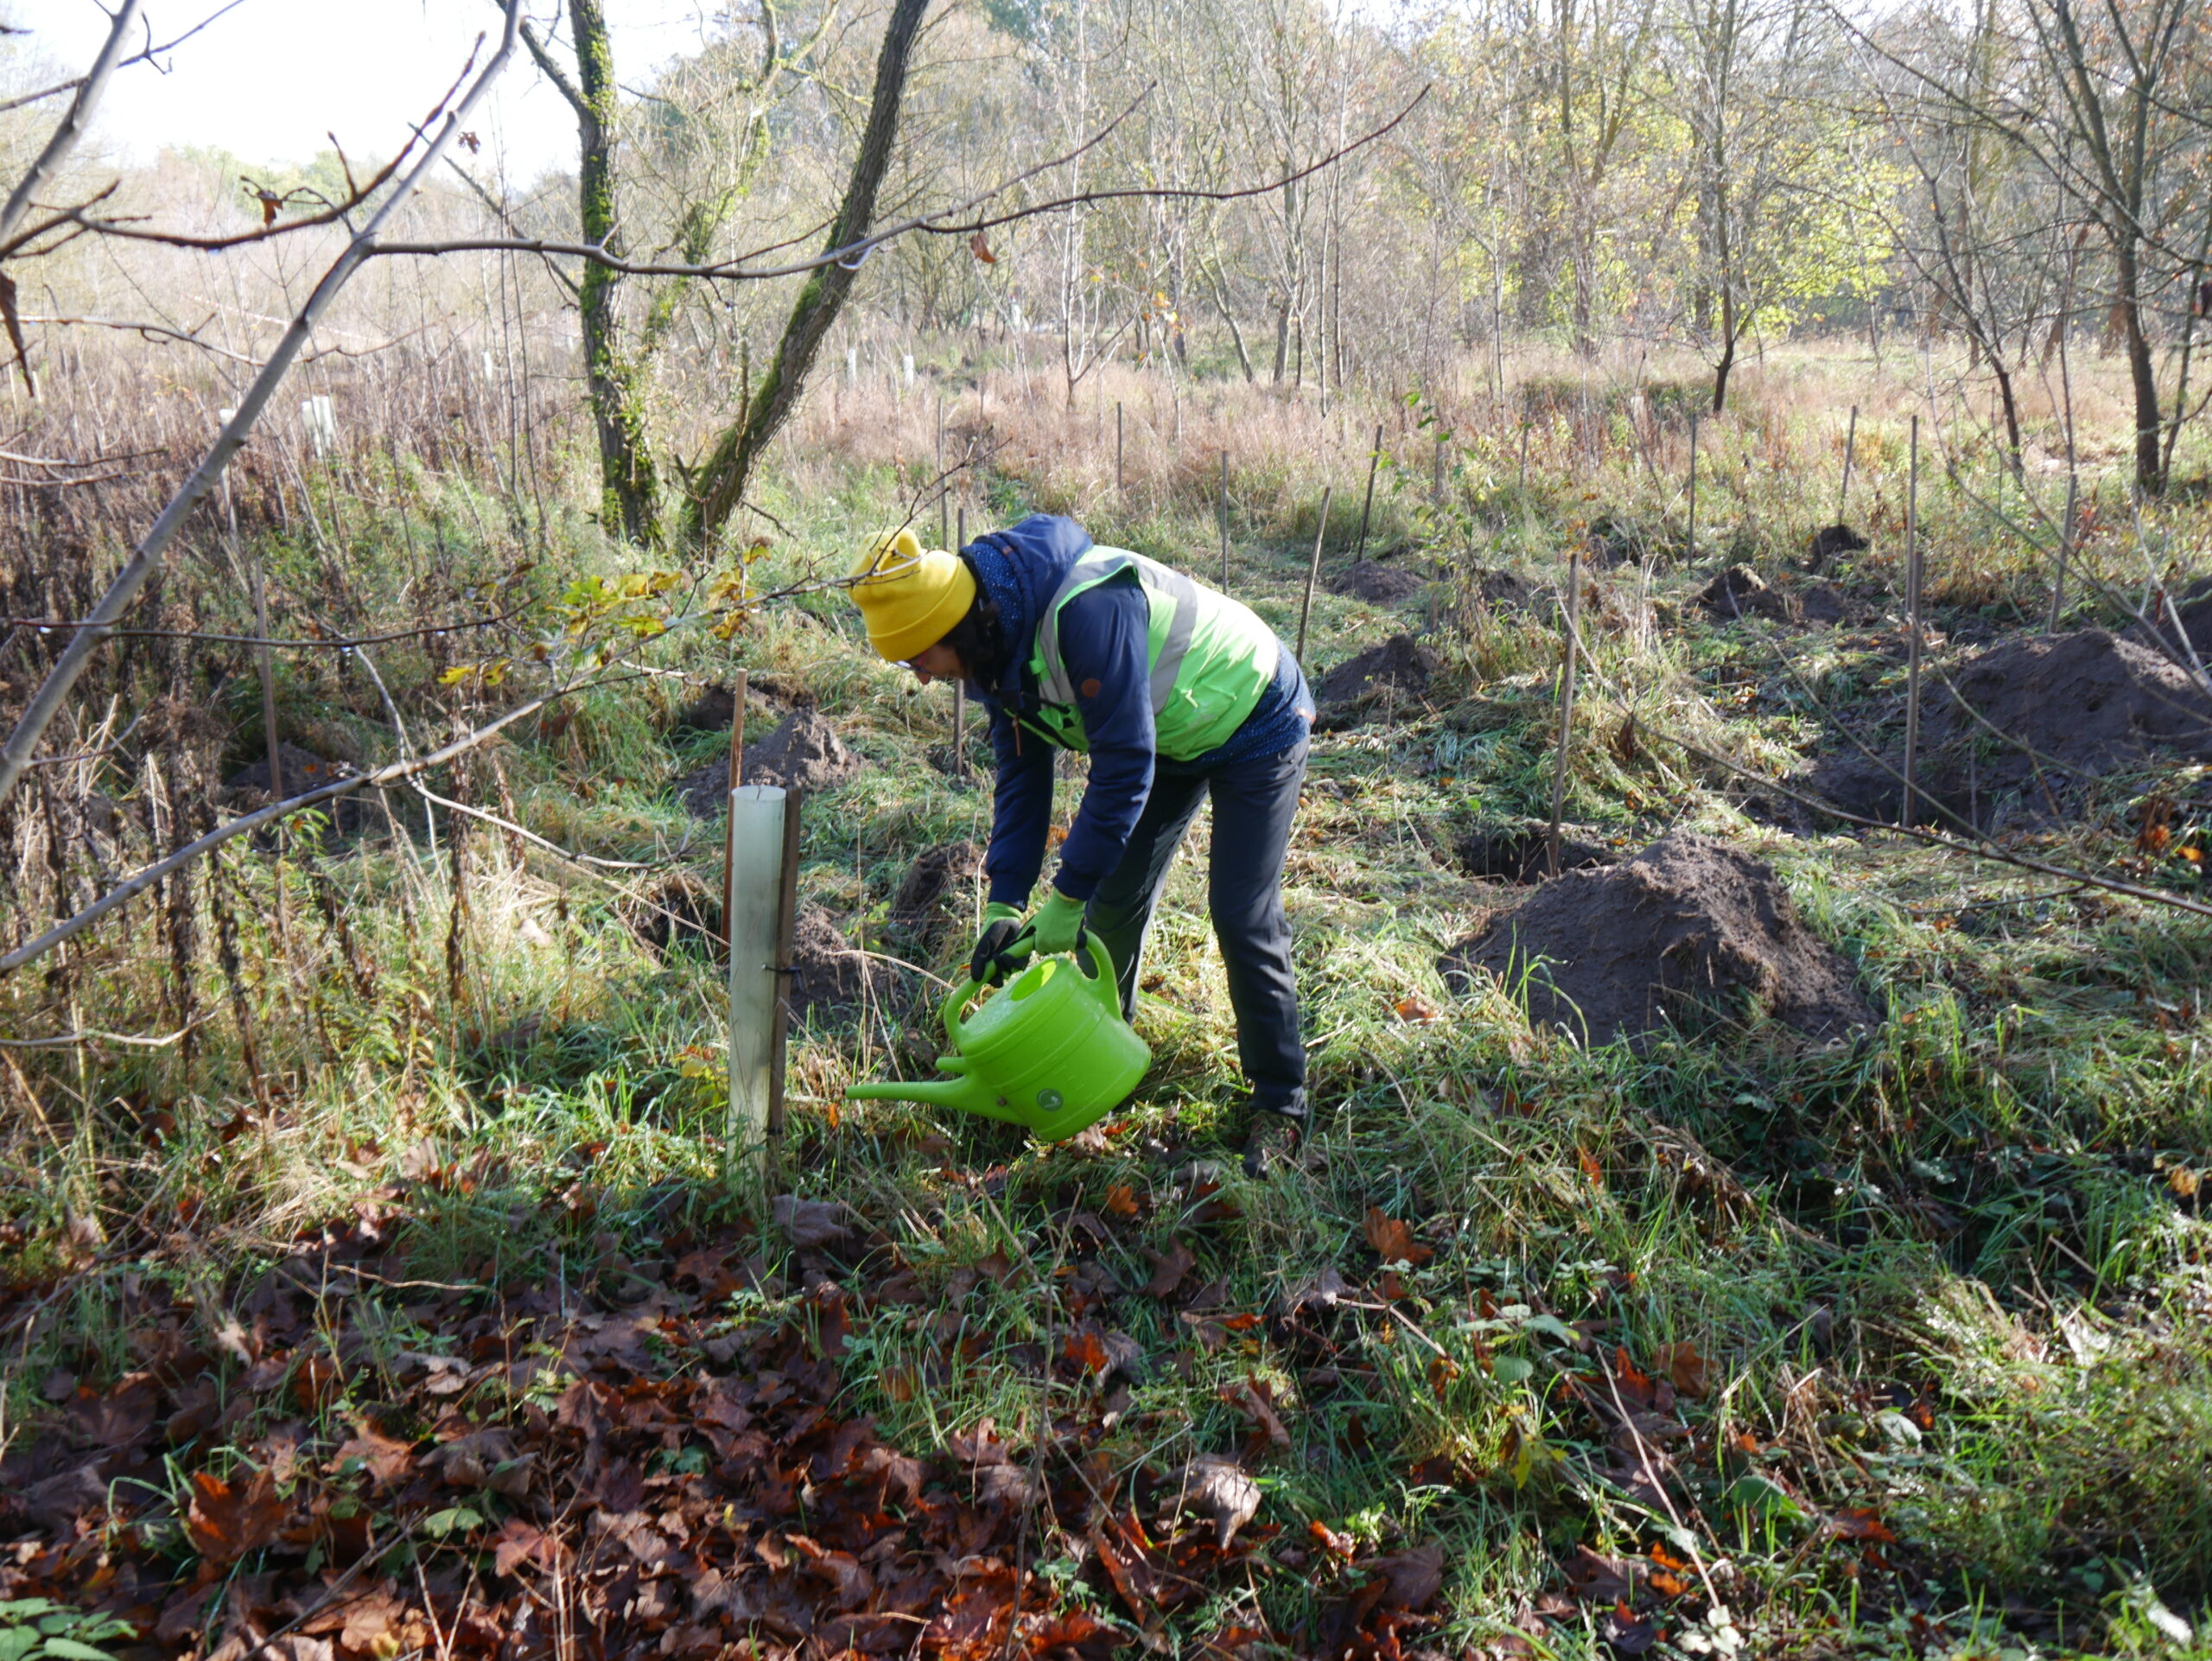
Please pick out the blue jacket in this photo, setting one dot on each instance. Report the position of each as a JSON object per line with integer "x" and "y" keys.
{"x": 1103, "y": 642}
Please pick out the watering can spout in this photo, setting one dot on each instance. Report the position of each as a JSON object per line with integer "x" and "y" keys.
{"x": 967, "y": 1094}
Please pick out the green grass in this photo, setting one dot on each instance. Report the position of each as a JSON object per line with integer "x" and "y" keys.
{"x": 1953, "y": 1277}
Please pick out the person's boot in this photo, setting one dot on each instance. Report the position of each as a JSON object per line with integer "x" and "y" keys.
{"x": 1272, "y": 1140}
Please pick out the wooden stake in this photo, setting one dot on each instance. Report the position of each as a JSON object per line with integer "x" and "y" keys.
{"x": 261, "y": 653}
{"x": 1693, "y": 548}
{"x": 960, "y": 694}
{"x": 786, "y": 927}
{"x": 1374, "y": 458}
{"x": 1566, "y": 700}
{"x": 1225, "y": 521}
{"x": 736, "y": 778}
{"x": 1850, "y": 449}
{"x": 1313, "y": 572}
{"x": 2065, "y": 549}
{"x": 1117, "y": 449}
{"x": 1912, "y": 621}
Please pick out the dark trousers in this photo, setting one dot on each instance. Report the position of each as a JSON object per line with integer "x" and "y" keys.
{"x": 1253, "y": 803}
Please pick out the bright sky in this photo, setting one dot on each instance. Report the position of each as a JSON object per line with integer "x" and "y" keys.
{"x": 268, "y": 81}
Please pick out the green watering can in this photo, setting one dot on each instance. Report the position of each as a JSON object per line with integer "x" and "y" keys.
{"x": 1049, "y": 1051}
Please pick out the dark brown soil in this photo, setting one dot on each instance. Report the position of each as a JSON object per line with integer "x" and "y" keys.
{"x": 1739, "y": 591}
{"x": 1823, "y": 605}
{"x": 1401, "y": 668}
{"x": 1690, "y": 930}
{"x": 711, "y": 711}
{"x": 1501, "y": 589}
{"x": 1830, "y": 542}
{"x": 938, "y": 875}
{"x": 2194, "y": 608}
{"x": 303, "y": 770}
{"x": 1521, "y": 854}
{"x": 804, "y": 753}
{"x": 932, "y": 910}
{"x": 828, "y": 978}
{"x": 1378, "y": 583}
{"x": 2084, "y": 704}
{"x": 684, "y": 913}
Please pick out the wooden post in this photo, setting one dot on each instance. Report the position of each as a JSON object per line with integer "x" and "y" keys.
{"x": 1911, "y": 622}
{"x": 1850, "y": 449}
{"x": 1225, "y": 521}
{"x": 1313, "y": 572}
{"x": 786, "y": 925}
{"x": 263, "y": 653}
{"x": 1117, "y": 450}
{"x": 1374, "y": 458}
{"x": 1692, "y": 554}
{"x": 736, "y": 778}
{"x": 1566, "y": 700}
{"x": 960, "y": 693}
{"x": 2065, "y": 549}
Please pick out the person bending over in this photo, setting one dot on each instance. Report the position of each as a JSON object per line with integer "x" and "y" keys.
{"x": 1176, "y": 692}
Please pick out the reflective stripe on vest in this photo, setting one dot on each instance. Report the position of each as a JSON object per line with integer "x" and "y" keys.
{"x": 1235, "y": 663}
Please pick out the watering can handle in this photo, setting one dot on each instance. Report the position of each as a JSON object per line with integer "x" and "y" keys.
{"x": 1100, "y": 977}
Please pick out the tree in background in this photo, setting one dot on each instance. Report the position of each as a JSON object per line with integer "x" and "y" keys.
{"x": 703, "y": 147}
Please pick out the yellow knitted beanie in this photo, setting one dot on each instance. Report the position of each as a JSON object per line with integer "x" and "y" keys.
{"x": 911, "y": 596}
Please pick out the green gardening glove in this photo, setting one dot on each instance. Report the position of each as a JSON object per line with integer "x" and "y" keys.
{"x": 1058, "y": 923}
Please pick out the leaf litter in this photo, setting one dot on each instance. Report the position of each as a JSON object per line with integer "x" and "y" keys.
{"x": 482, "y": 1471}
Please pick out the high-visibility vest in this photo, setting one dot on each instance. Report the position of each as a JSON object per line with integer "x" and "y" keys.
{"x": 1208, "y": 658}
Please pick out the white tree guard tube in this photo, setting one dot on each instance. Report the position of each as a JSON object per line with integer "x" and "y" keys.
{"x": 756, "y": 850}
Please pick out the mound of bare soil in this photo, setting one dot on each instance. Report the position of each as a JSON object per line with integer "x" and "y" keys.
{"x": 938, "y": 875}
{"x": 932, "y": 907}
{"x": 1401, "y": 668}
{"x": 804, "y": 753}
{"x": 2056, "y": 713}
{"x": 1690, "y": 929}
{"x": 1378, "y": 583}
{"x": 1823, "y": 605}
{"x": 1830, "y": 542}
{"x": 301, "y": 771}
{"x": 711, "y": 711}
{"x": 1500, "y": 589}
{"x": 2192, "y": 610}
{"x": 1521, "y": 854}
{"x": 684, "y": 911}
{"x": 828, "y": 976}
{"x": 1739, "y": 591}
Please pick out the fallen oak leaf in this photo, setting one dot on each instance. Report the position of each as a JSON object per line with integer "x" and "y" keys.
{"x": 1860, "y": 1524}
{"x": 1216, "y": 1488}
{"x": 1684, "y": 1367}
{"x": 1254, "y": 1400}
{"x": 225, "y": 1521}
{"x": 1122, "y": 1200}
{"x": 1168, "y": 1267}
{"x": 1393, "y": 1240}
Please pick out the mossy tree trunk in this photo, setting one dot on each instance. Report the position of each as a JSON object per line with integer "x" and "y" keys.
{"x": 629, "y": 484}
{"x": 719, "y": 483}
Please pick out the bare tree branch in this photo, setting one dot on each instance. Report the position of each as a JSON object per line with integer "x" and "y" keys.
{"x": 46, "y": 703}
{"x": 394, "y": 774}
{"x": 72, "y": 125}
